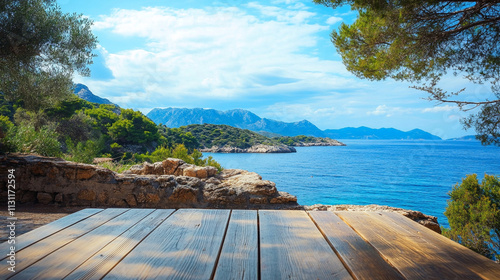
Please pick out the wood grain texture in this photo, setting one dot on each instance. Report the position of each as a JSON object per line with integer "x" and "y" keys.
{"x": 413, "y": 256}
{"x": 40, "y": 249}
{"x": 479, "y": 264}
{"x": 239, "y": 258}
{"x": 363, "y": 260}
{"x": 105, "y": 259}
{"x": 78, "y": 251}
{"x": 291, "y": 247}
{"x": 185, "y": 246}
{"x": 23, "y": 241}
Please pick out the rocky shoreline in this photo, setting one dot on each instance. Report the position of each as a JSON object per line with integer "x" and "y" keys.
{"x": 261, "y": 148}
{"x": 172, "y": 183}
{"x": 330, "y": 142}
{"x": 254, "y": 149}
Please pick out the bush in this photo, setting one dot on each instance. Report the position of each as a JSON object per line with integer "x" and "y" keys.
{"x": 25, "y": 139}
{"x": 78, "y": 127}
{"x": 474, "y": 215}
{"x": 180, "y": 152}
{"x": 84, "y": 152}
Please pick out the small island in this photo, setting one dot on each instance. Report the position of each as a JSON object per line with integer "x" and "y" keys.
{"x": 227, "y": 139}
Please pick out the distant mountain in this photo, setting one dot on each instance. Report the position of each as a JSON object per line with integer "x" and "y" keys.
{"x": 84, "y": 93}
{"x": 381, "y": 134}
{"x": 464, "y": 138}
{"x": 177, "y": 117}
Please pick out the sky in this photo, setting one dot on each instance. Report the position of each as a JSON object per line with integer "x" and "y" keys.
{"x": 274, "y": 58}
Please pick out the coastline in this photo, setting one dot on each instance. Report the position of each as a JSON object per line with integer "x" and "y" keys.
{"x": 261, "y": 148}
{"x": 51, "y": 188}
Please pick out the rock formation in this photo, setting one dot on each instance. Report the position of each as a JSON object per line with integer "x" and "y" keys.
{"x": 254, "y": 149}
{"x": 326, "y": 142}
{"x": 168, "y": 184}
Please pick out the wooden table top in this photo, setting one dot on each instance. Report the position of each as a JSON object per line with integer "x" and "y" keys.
{"x": 120, "y": 243}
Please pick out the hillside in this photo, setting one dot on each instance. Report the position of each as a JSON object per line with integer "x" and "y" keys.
{"x": 380, "y": 134}
{"x": 84, "y": 93}
{"x": 210, "y": 135}
{"x": 177, "y": 117}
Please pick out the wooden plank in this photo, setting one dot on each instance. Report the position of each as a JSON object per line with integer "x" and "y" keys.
{"x": 61, "y": 262}
{"x": 105, "y": 259}
{"x": 413, "y": 257}
{"x": 40, "y": 249}
{"x": 23, "y": 241}
{"x": 291, "y": 247}
{"x": 479, "y": 264}
{"x": 364, "y": 261}
{"x": 185, "y": 246}
{"x": 239, "y": 258}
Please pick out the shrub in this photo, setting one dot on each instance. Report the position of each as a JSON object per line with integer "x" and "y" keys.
{"x": 84, "y": 152}
{"x": 25, "y": 139}
{"x": 474, "y": 214}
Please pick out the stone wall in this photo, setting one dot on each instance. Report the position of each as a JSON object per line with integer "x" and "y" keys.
{"x": 168, "y": 184}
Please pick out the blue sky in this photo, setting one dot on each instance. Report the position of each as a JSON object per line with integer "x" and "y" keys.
{"x": 273, "y": 58}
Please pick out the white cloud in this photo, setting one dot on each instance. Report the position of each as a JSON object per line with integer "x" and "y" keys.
{"x": 218, "y": 53}
{"x": 333, "y": 20}
{"x": 437, "y": 109}
{"x": 384, "y": 110}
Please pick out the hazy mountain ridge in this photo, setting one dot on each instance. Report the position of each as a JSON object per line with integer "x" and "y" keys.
{"x": 177, "y": 117}
{"x": 364, "y": 132}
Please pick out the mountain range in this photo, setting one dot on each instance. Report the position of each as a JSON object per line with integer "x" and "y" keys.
{"x": 177, "y": 117}
{"x": 364, "y": 132}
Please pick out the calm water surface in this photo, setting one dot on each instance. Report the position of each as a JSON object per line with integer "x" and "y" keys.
{"x": 413, "y": 175}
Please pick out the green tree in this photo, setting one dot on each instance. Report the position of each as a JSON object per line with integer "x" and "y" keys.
{"x": 133, "y": 127}
{"x": 103, "y": 117}
{"x": 421, "y": 41}
{"x": 40, "y": 49}
{"x": 473, "y": 212}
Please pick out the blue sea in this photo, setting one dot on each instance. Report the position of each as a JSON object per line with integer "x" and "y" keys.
{"x": 414, "y": 175}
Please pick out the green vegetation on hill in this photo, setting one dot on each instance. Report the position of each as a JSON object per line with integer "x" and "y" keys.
{"x": 300, "y": 139}
{"x": 81, "y": 131}
{"x": 210, "y": 135}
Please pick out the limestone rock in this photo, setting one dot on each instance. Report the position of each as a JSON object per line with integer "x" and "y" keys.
{"x": 44, "y": 198}
{"x": 250, "y": 182}
{"x": 88, "y": 195}
{"x": 170, "y": 165}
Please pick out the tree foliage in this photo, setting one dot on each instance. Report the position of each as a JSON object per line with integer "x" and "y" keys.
{"x": 474, "y": 215}
{"x": 133, "y": 127}
{"x": 40, "y": 49}
{"x": 423, "y": 40}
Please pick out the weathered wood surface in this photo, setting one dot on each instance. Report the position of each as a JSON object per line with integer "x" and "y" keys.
{"x": 361, "y": 258}
{"x": 185, "y": 246}
{"x": 76, "y": 252}
{"x": 475, "y": 262}
{"x": 109, "y": 256}
{"x": 291, "y": 247}
{"x": 413, "y": 256}
{"x": 42, "y": 248}
{"x": 239, "y": 258}
{"x": 240, "y": 244}
{"x": 35, "y": 235}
